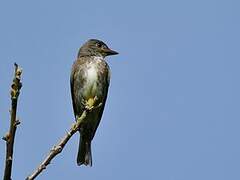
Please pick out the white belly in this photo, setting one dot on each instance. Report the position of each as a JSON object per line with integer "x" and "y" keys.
{"x": 91, "y": 84}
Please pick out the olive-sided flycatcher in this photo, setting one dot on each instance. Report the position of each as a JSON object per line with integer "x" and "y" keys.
{"x": 90, "y": 78}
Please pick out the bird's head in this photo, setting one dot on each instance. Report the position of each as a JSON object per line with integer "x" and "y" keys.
{"x": 94, "y": 47}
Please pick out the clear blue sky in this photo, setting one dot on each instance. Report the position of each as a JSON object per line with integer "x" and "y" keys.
{"x": 173, "y": 106}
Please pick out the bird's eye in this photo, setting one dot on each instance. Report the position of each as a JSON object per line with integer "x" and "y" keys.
{"x": 98, "y": 45}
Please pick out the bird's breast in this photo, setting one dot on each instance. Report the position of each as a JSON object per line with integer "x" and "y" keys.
{"x": 92, "y": 75}
{"x": 92, "y": 86}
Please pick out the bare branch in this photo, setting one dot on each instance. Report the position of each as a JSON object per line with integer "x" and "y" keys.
{"x": 10, "y": 135}
{"x": 59, "y": 147}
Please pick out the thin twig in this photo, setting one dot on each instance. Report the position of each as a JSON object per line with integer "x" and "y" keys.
{"x": 10, "y": 135}
{"x": 58, "y": 148}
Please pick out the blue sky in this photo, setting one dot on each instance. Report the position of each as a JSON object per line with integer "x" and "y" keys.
{"x": 173, "y": 105}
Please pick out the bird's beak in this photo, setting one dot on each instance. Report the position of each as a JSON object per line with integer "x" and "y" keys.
{"x": 110, "y": 52}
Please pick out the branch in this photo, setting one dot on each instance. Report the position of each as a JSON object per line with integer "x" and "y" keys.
{"x": 10, "y": 135}
{"x": 59, "y": 147}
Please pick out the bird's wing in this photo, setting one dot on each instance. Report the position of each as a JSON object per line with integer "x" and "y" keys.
{"x": 76, "y": 86}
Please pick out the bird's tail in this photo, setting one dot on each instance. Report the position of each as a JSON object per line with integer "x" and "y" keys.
{"x": 84, "y": 152}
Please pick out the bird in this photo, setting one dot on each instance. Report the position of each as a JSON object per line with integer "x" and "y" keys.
{"x": 89, "y": 81}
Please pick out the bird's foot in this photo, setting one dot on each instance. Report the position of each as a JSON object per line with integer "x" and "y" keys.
{"x": 90, "y": 104}
{"x": 87, "y": 105}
